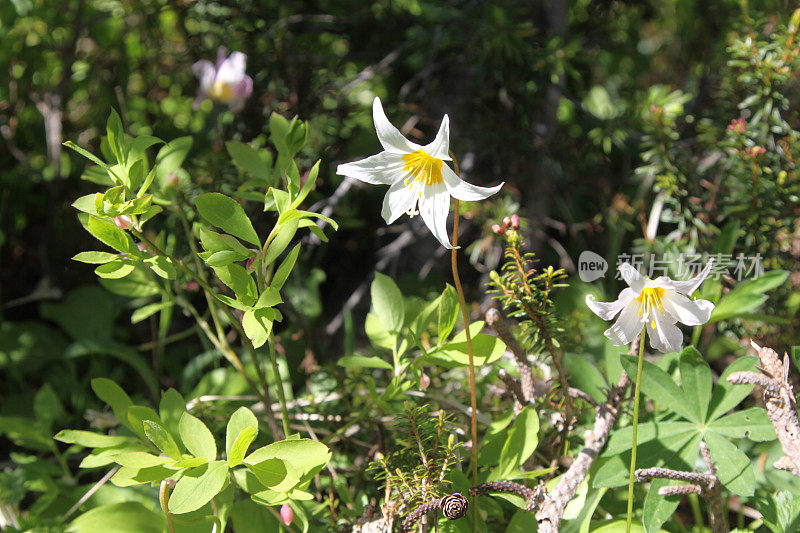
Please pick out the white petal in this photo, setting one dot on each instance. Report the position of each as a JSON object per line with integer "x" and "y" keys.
{"x": 632, "y": 277}
{"x": 205, "y": 71}
{"x": 440, "y": 147}
{"x": 686, "y": 311}
{"x": 627, "y": 326}
{"x": 232, "y": 69}
{"x": 665, "y": 337}
{"x": 389, "y": 136}
{"x": 434, "y": 206}
{"x": 688, "y": 286}
{"x": 608, "y": 310}
{"x": 399, "y": 199}
{"x": 384, "y": 168}
{"x": 462, "y": 190}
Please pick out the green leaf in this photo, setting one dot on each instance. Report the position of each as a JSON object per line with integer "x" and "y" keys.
{"x": 240, "y": 282}
{"x": 85, "y": 153}
{"x": 196, "y": 437}
{"x": 733, "y": 466}
{"x": 197, "y": 487}
{"x": 159, "y": 436}
{"x": 280, "y": 241}
{"x": 89, "y": 439}
{"x": 378, "y": 336}
{"x": 387, "y": 302}
{"x": 226, "y": 214}
{"x": 114, "y": 270}
{"x": 171, "y": 409}
{"x": 216, "y": 242}
{"x": 752, "y": 423}
{"x": 307, "y": 186}
{"x": 126, "y": 517}
{"x": 584, "y": 374}
{"x": 360, "y": 361}
{"x": 162, "y": 266}
{"x": 148, "y": 310}
{"x": 47, "y": 407}
{"x": 659, "y": 386}
{"x": 95, "y": 258}
{"x": 620, "y": 439}
{"x": 111, "y": 235}
{"x": 747, "y": 296}
{"x": 115, "y": 135}
{"x": 269, "y": 298}
{"x": 448, "y": 312}
{"x": 240, "y": 445}
{"x": 283, "y": 271}
{"x": 695, "y": 381}
{"x": 242, "y": 418}
{"x": 486, "y": 349}
{"x": 728, "y": 395}
{"x": 257, "y": 324}
{"x": 170, "y": 158}
{"x": 274, "y": 473}
{"x": 138, "y": 415}
{"x": 249, "y": 159}
{"x": 139, "y": 460}
{"x": 522, "y": 441}
{"x": 278, "y": 127}
{"x": 306, "y": 456}
{"x": 114, "y": 396}
{"x": 658, "y": 509}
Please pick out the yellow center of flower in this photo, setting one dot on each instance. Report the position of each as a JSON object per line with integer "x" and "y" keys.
{"x": 422, "y": 168}
{"x": 220, "y": 91}
{"x": 650, "y": 298}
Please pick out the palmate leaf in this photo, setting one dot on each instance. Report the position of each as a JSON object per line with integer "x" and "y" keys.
{"x": 705, "y": 409}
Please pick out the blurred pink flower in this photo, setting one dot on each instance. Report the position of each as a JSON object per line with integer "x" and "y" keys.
{"x": 225, "y": 82}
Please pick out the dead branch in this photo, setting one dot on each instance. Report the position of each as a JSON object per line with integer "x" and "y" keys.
{"x": 780, "y": 403}
{"x": 707, "y": 485}
{"x": 495, "y": 320}
{"x": 552, "y": 509}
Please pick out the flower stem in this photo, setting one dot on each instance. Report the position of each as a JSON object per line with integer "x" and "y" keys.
{"x": 279, "y": 382}
{"x": 635, "y": 428}
{"x": 472, "y": 396}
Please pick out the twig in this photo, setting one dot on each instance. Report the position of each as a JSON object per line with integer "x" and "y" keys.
{"x": 707, "y": 485}
{"x": 89, "y": 492}
{"x": 495, "y": 320}
{"x": 780, "y": 402}
{"x": 552, "y": 509}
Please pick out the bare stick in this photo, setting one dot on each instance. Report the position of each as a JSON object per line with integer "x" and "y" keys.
{"x": 495, "y": 320}
{"x": 552, "y": 509}
{"x": 780, "y": 402}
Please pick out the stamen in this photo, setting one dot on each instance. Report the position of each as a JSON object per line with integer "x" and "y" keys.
{"x": 650, "y": 299}
{"x": 422, "y": 168}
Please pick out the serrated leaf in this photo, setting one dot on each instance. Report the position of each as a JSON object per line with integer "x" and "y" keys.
{"x": 659, "y": 386}
{"x": 695, "y": 381}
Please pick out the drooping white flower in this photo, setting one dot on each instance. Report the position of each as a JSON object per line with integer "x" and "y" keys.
{"x": 416, "y": 175}
{"x": 225, "y": 82}
{"x": 657, "y": 304}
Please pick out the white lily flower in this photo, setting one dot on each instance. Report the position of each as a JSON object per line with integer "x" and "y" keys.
{"x": 656, "y": 303}
{"x": 416, "y": 175}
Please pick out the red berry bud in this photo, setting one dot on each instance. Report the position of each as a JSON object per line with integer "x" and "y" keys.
{"x": 123, "y": 221}
{"x": 287, "y": 514}
{"x": 497, "y": 228}
{"x": 515, "y": 221}
{"x": 506, "y": 222}
{"x": 192, "y": 286}
{"x": 424, "y": 381}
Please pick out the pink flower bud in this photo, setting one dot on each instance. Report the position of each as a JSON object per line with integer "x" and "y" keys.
{"x": 123, "y": 221}
{"x": 250, "y": 263}
{"x": 192, "y": 286}
{"x": 172, "y": 179}
{"x": 287, "y": 514}
{"x": 424, "y": 381}
{"x": 514, "y": 221}
{"x": 497, "y": 228}
{"x": 506, "y": 222}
